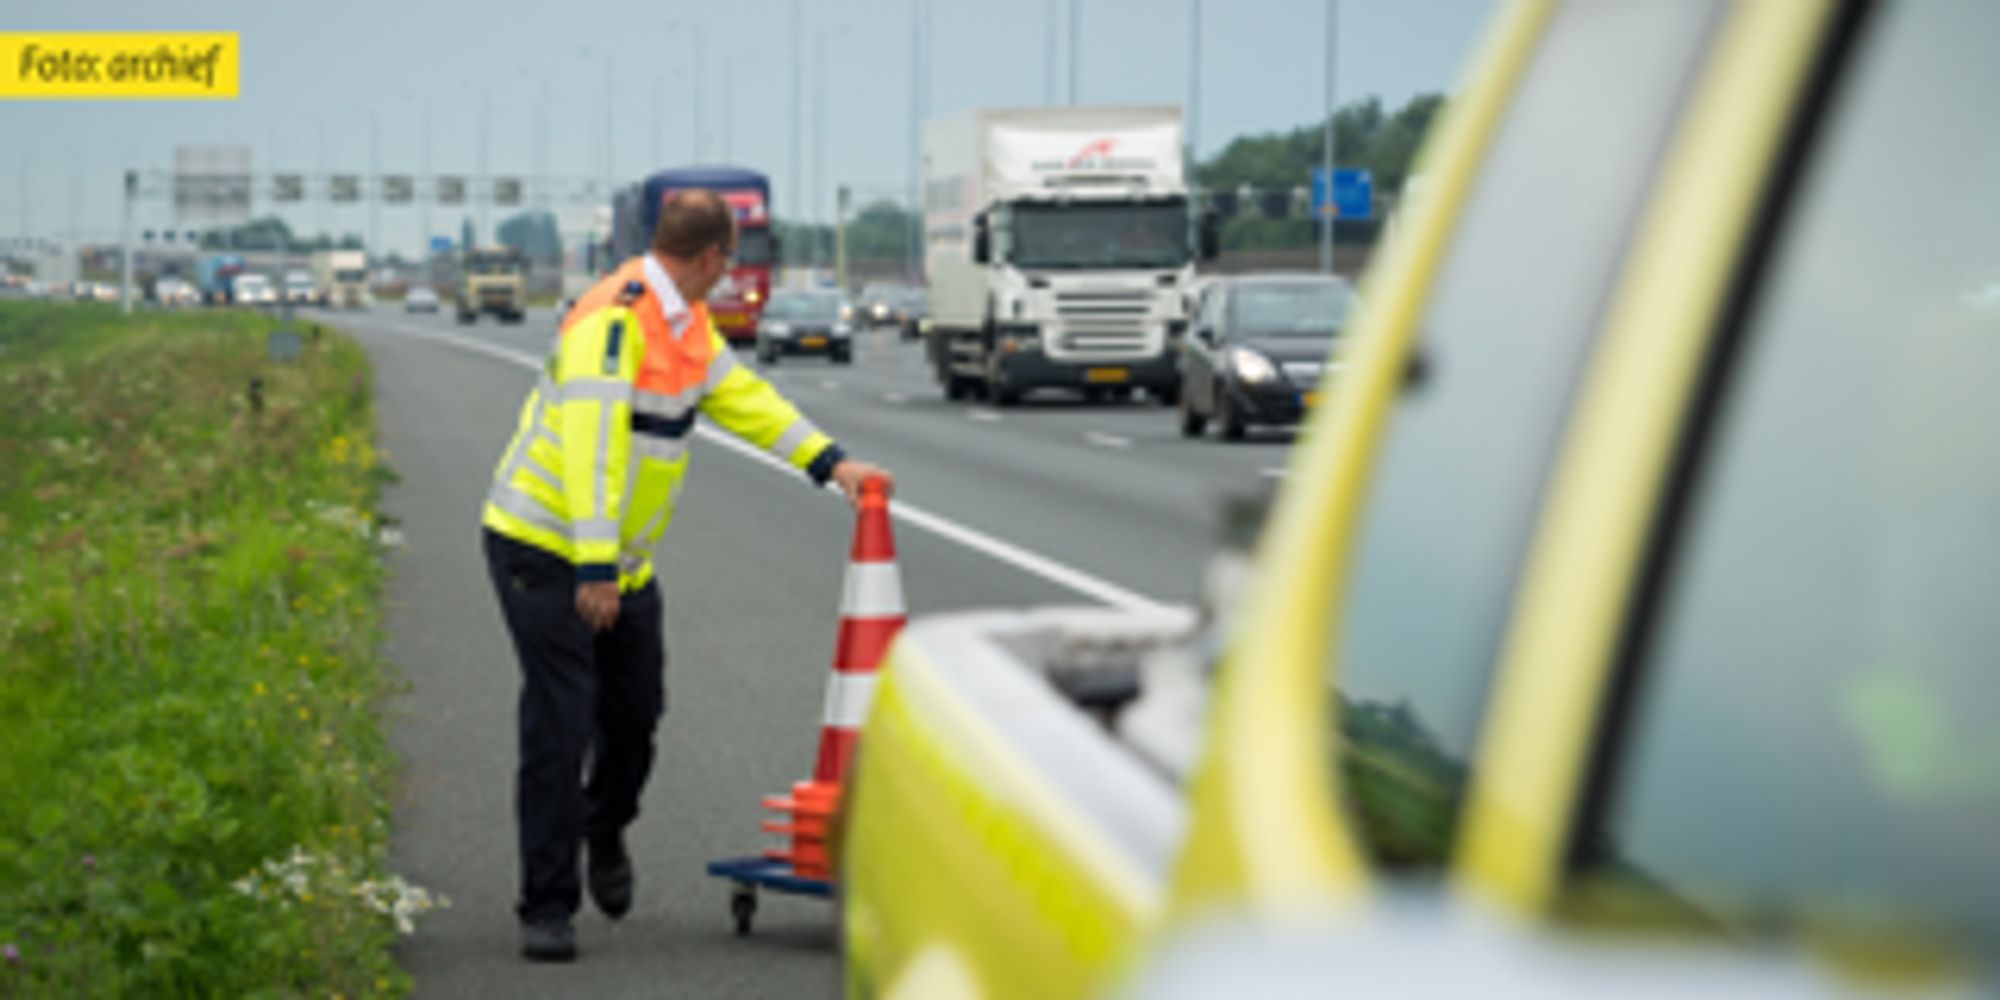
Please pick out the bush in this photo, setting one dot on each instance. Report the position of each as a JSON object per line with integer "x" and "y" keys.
{"x": 196, "y": 775}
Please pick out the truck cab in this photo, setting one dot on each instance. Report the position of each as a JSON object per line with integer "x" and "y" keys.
{"x": 493, "y": 280}
{"x": 1059, "y": 251}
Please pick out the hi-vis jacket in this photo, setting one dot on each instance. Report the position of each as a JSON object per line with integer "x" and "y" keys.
{"x": 600, "y": 452}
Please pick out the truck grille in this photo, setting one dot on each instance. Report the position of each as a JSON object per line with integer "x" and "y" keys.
{"x": 1106, "y": 322}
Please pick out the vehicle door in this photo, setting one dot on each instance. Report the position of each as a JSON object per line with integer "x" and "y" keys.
{"x": 1356, "y": 680}
{"x": 1773, "y": 719}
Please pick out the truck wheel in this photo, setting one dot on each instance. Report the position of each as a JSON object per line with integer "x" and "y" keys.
{"x": 466, "y": 318}
{"x": 843, "y": 356}
{"x": 1192, "y": 423}
{"x": 1167, "y": 396}
{"x": 1226, "y": 415}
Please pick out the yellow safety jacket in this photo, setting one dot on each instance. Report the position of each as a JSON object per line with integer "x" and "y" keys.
{"x": 601, "y": 448}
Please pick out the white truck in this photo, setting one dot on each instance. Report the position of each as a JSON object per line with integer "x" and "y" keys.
{"x": 1057, "y": 245}
{"x": 342, "y": 278}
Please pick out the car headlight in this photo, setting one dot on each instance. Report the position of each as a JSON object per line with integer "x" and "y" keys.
{"x": 1252, "y": 367}
{"x": 881, "y": 311}
{"x": 778, "y": 330}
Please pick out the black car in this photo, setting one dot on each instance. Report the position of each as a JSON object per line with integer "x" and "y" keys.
{"x": 1257, "y": 349}
{"x": 804, "y": 322}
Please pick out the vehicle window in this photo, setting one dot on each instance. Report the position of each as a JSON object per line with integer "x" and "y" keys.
{"x": 1291, "y": 309}
{"x": 1115, "y": 234}
{"x": 1812, "y": 722}
{"x": 754, "y": 247}
{"x": 1506, "y": 331}
{"x": 825, "y": 307}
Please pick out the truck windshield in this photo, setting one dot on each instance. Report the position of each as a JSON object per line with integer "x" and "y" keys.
{"x": 495, "y": 265}
{"x": 753, "y": 248}
{"x": 1122, "y": 234}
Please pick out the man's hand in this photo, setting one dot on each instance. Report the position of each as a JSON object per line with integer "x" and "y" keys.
{"x": 597, "y": 604}
{"x": 850, "y": 474}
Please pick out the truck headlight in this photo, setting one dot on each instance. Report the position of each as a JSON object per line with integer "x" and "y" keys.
{"x": 753, "y": 296}
{"x": 841, "y": 329}
{"x": 1252, "y": 367}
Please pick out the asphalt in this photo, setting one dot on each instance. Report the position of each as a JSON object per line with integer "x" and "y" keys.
{"x": 1052, "y": 502}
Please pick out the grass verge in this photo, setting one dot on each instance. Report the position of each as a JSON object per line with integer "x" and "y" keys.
{"x": 196, "y": 777}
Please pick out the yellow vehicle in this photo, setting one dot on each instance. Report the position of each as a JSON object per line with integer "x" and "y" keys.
{"x": 1636, "y": 575}
{"x": 492, "y": 280}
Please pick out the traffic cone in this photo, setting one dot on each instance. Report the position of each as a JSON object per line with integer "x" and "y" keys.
{"x": 871, "y": 613}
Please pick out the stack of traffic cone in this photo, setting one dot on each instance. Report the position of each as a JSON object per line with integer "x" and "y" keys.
{"x": 871, "y": 613}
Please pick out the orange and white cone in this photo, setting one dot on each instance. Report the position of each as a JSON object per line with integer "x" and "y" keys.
{"x": 871, "y": 614}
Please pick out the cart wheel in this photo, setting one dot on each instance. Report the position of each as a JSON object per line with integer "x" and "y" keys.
{"x": 743, "y": 906}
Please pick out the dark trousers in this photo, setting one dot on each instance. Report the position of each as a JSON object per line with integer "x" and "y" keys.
{"x": 588, "y": 700}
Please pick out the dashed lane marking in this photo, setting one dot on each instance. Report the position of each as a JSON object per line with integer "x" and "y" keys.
{"x": 983, "y": 416}
{"x": 969, "y": 537}
{"x": 1107, "y": 440}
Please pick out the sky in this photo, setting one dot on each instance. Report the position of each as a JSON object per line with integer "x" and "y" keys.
{"x": 319, "y": 79}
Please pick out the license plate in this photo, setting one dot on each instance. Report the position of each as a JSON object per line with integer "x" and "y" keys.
{"x": 732, "y": 319}
{"x": 1311, "y": 399}
{"x": 1100, "y": 376}
{"x": 812, "y": 341}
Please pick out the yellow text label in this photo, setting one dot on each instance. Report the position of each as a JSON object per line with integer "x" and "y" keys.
{"x": 119, "y": 65}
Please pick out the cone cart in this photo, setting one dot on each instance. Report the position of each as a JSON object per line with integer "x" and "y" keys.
{"x": 871, "y": 615}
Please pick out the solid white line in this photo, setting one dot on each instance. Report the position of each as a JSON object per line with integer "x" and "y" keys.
{"x": 895, "y": 397}
{"x": 1107, "y": 440}
{"x": 902, "y": 510}
{"x": 829, "y": 384}
{"x": 1273, "y": 473}
{"x": 984, "y": 416}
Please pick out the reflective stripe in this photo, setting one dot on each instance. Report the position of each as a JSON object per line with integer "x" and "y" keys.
{"x": 603, "y": 390}
{"x": 529, "y": 464}
{"x": 794, "y": 436}
{"x": 527, "y": 508}
{"x": 594, "y": 529}
{"x": 719, "y": 368}
{"x": 600, "y": 467}
{"x": 847, "y": 699}
{"x": 872, "y": 590}
{"x": 668, "y": 404}
{"x": 663, "y": 449}
{"x": 524, "y": 441}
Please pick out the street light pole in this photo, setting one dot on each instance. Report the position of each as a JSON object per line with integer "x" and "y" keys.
{"x": 1327, "y": 214}
{"x": 1075, "y": 45}
{"x": 1193, "y": 117}
{"x": 798, "y": 116}
{"x": 910, "y": 265}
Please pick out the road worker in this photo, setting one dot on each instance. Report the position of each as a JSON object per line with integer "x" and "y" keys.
{"x": 582, "y": 494}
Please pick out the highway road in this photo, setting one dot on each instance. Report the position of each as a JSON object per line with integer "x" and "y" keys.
{"x": 1051, "y": 502}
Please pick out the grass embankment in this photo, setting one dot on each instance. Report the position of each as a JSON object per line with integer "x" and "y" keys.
{"x": 194, "y": 786}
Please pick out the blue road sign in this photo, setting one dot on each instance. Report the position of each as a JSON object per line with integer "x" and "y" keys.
{"x": 1352, "y": 197}
{"x": 440, "y": 244}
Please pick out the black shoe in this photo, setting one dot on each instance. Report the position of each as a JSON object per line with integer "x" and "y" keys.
{"x": 610, "y": 878}
{"x": 548, "y": 940}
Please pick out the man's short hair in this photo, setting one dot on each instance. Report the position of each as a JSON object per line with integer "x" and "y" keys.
{"x": 692, "y": 221}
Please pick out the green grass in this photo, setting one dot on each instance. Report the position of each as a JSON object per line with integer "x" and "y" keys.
{"x": 195, "y": 774}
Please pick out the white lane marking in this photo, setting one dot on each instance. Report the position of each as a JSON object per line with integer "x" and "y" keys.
{"x": 1273, "y": 473}
{"x": 829, "y": 385}
{"x": 902, "y": 510}
{"x": 983, "y": 416}
{"x": 895, "y": 397}
{"x": 1107, "y": 440}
